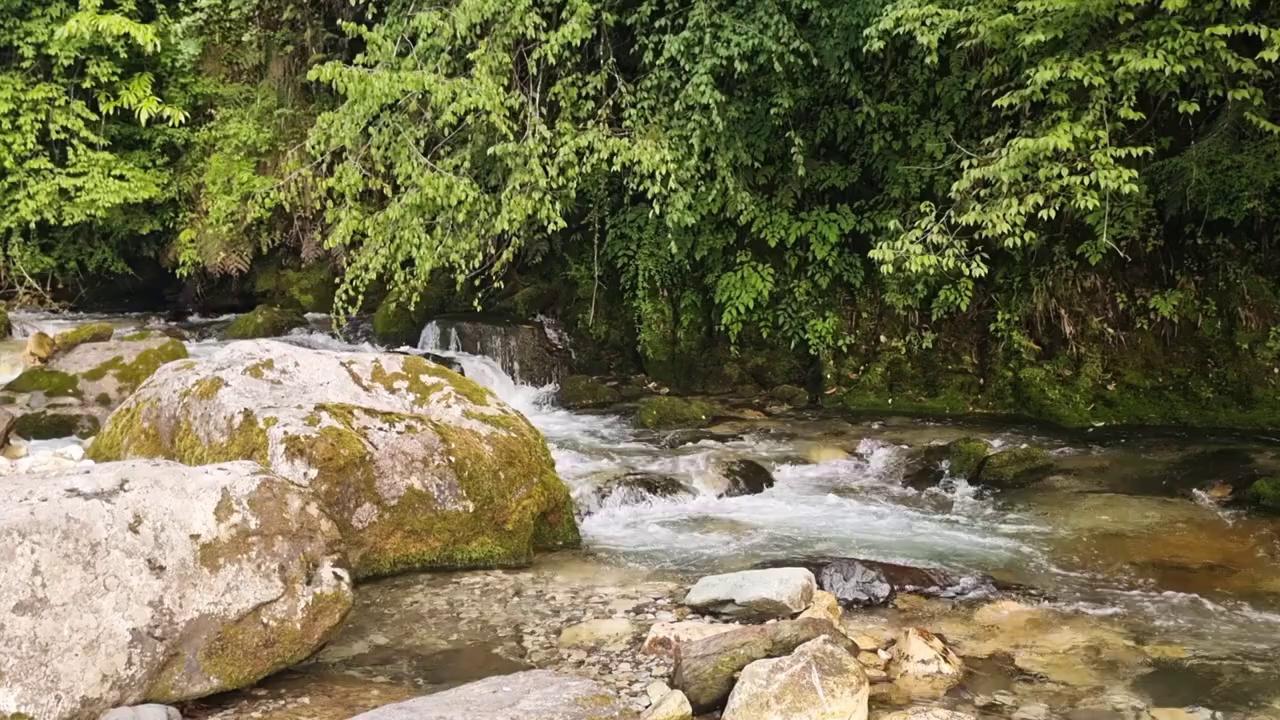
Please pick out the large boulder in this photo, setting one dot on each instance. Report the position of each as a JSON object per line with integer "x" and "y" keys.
{"x": 152, "y": 581}
{"x": 529, "y": 695}
{"x": 821, "y": 680}
{"x": 107, "y": 372}
{"x": 704, "y": 669}
{"x": 265, "y": 321}
{"x": 662, "y": 413}
{"x": 419, "y": 466}
{"x": 773, "y": 592}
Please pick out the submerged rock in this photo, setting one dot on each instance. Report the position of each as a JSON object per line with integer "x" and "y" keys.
{"x": 664, "y": 412}
{"x": 774, "y": 592}
{"x": 705, "y": 669}
{"x": 637, "y": 488}
{"x": 745, "y": 477}
{"x": 820, "y": 680}
{"x": 1017, "y": 468}
{"x": 158, "y": 582}
{"x": 529, "y": 695}
{"x": 419, "y": 466}
{"x": 265, "y": 321}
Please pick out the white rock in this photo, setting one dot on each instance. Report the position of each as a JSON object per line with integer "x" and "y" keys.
{"x": 153, "y": 580}
{"x": 775, "y": 592}
{"x": 74, "y": 453}
{"x": 530, "y": 695}
{"x": 825, "y": 606}
{"x": 657, "y": 690}
{"x": 672, "y": 706}
{"x": 819, "y": 681}
{"x": 665, "y": 637}
{"x": 143, "y": 712}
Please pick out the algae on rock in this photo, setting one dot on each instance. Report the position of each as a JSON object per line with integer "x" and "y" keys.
{"x": 265, "y": 321}
{"x": 90, "y": 332}
{"x": 419, "y": 466}
{"x": 663, "y": 413}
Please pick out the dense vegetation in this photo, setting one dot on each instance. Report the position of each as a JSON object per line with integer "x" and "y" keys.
{"x": 1064, "y": 208}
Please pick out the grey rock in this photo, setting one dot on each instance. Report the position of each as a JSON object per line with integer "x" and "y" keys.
{"x": 775, "y": 592}
{"x": 821, "y": 680}
{"x": 143, "y": 712}
{"x": 530, "y": 695}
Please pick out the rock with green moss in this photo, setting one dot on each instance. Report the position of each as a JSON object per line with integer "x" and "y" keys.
{"x": 583, "y": 391}
{"x": 159, "y": 583}
{"x": 664, "y": 412}
{"x": 1265, "y": 494}
{"x": 790, "y": 395}
{"x": 87, "y": 333}
{"x": 396, "y": 324}
{"x": 40, "y": 347}
{"x": 419, "y": 466}
{"x": 107, "y": 372}
{"x": 57, "y": 422}
{"x": 309, "y": 288}
{"x": 965, "y": 456}
{"x": 1015, "y": 468}
{"x": 528, "y": 695}
{"x": 265, "y": 321}
{"x": 48, "y": 382}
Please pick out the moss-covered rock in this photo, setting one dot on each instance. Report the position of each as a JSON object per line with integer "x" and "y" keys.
{"x": 965, "y": 456}
{"x": 160, "y": 583}
{"x": 396, "y": 324}
{"x": 89, "y": 332}
{"x": 583, "y": 391}
{"x": 48, "y": 381}
{"x": 790, "y": 395}
{"x": 6, "y": 326}
{"x": 56, "y": 423}
{"x": 664, "y": 412}
{"x": 419, "y": 466}
{"x": 1015, "y": 468}
{"x": 265, "y": 321}
{"x": 309, "y": 288}
{"x": 1265, "y": 494}
{"x": 106, "y": 372}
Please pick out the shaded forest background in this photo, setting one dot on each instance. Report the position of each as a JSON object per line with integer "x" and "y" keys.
{"x": 1064, "y": 209}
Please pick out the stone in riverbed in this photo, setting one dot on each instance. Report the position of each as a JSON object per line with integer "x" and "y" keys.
{"x": 106, "y": 372}
{"x": 638, "y": 488}
{"x": 704, "y": 670}
{"x": 928, "y": 713}
{"x": 143, "y": 712}
{"x": 923, "y": 665}
{"x": 859, "y": 583}
{"x": 6, "y": 426}
{"x": 745, "y": 477}
{"x": 671, "y": 706}
{"x": 1016, "y": 468}
{"x": 529, "y": 695}
{"x": 665, "y": 637}
{"x": 774, "y": 592}
{"x": 663, "y": 412}
{"x": 159, "y": 582}
{"x": 609, "y": 632}
{"x": 419, "y": 466}
{"x": 582, "y": 391}
{"x": 40, "y": 347}
{"x": 265, "y": 321}
{"x": 89, "y": 332}
{"x": 821, "y": 680}
{"x": 825, "y": 606}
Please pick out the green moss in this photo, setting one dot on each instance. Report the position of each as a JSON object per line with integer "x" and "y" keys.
{"x": 1265, "y": 493}
{"x": 264, "y": 321}
{"x": 1015, "y": 468}
{"x": 6, "y": 327}
{"x": 412, "y": 378}
{"x": 133, "y": 432}
{"x": 310, "y": 288}
{"x": 658, "y": 413}
{"x": 395, "y": 323}
{"x": 790, "y": 394}
{"x": 91, "y": 332}
{"x": 582, "y": 391}
{"x": 130, "y": 374}
{"x": 258, "y": 370}
{"x": 965, "y": 456}
{"x": 53, "y": 383}
{"x": 47, "y": 425}
{"x": 142, "y": 335}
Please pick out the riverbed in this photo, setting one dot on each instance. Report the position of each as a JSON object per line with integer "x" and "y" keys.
{"x": 1121, "y": 539}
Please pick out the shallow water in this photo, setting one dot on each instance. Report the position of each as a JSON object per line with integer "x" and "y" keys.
{"x": 1117, "y": 535}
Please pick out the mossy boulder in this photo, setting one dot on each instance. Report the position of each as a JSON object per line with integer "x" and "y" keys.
{"x": 40, "y": 347}
{"x": 965, "y": 456}
{"x": 790, "y": 395}
{"x": 1015, "y": 468}
{"x": 265, "y": 321}
{"x": 419, "y": 466}
{"x": 664, "y": 412}
{"x": 87, "y": 333}
{"x": 583, "y": 391}
{"x": 309, "y": 288}
{"x": 396, "y": 324}
{"x": 156, "y": 582}
{"x": 1264, "y": 494}
{"x": 107, "y": 372}
{"x": 56, "y": 423}
{"x": 47, "y": 381}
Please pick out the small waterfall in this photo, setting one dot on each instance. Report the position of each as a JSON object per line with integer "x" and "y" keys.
{"x": 522, "y": 350}
{"x": 488, "y": 371}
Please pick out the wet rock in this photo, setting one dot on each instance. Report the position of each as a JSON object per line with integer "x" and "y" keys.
{"x": 158, "y": 582}
{"x": 790, "y": 395}
{"x": 671, "y": 706}
{"x": 665, "y": 637}
{"x": 680, "y": 438}
{"x": 862, "y": 583}
{"x": 56, "y": 423}
{"x": 1032, "y": 711}
{"x": 523, "y": 349}
{"x": 965, "y": 457}
{"x": 143, "y": 712}
{"x": 265, "y": 321}
{"x": 820, "y": 680}
{"x": 610, "y": 632}
{"x": 704, "y": 670}
{"x": 825, "y": 606}
{"x": 1265, "y": 494}
{"x": 90, "y": 332}
{"x": 922, "y": 664}
{"x": 745, "y": 477}
{"x": 582, "y": 391}
{"x": 825, "y": 453}
{"x": 664, "y": 412}
{"x": 40, "y": 347}
{"x": 419, "y": 466}
{"x": 530, "y": 695}
{"x": 637, "y": 488}
{"x": 1017, "y": 468}
{"x": 775, "y": 592}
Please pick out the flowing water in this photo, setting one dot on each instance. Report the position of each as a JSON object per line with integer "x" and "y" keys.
{"x": 1117, "y": 534}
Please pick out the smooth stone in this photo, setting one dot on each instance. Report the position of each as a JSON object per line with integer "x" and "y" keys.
{"x": 665, "y": 637}
{"x": 596, "y": 633}
{"x": 825, "y": 606}
{"x": 774, "y": 592}
{"x": 922, "y": 664}
{"x": 672, "y": 706}
{"x": 1031, "y": 711}
{"x": 143, "y": 712}
{"x": 820, "y": 680}
{"x": 529, "y": 695}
